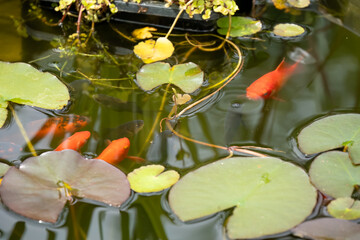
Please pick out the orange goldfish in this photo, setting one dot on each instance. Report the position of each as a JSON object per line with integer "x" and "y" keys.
{"x": 57, "y": 126}
{"x": 75, "y": 141}
{"x": 270, "y": 82}
{"x": 116, "y": 151}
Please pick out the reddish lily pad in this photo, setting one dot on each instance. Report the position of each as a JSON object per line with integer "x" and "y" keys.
{"x": 40, "y": 187}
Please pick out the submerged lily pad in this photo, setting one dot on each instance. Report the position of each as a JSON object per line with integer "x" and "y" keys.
{"x": 334, "y": 174}
{"x": 269, "y": 195}
{"x": 344, "y": 208}
{"x": 240, "y": 26}
{"x": 288, "y": 30}
{"x": 188, "y": 76}
{"x": 328, "y": 228}
{"x": 41, "y": 186}
{"x": 151, "y": 178}
{"x": 332, "y": 132}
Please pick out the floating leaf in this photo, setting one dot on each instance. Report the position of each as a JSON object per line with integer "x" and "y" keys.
{"x": 41, "y": 186}
{"x": 151, "y": 178}
{"x": 240, "y": 26}
{"x": 152, "y": 51}
{"x": 188, "y": 76}
{"x": 330, "y": 133}
{"x": 21, "y": 83}
{"x": 143, "y": 33}
{"x": 344, "y": 208}
{"x": 269, "y": 195}
{"x": 288, "y": 30}
{"x": 3, "y": 115}
{"x": 299, "y": 3}
{"x": 328, "y": 228}
{"x": 3, "y": 168}
{"x": 334, "y": 174}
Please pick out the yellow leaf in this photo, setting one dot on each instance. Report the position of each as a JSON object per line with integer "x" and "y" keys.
{"x": 143, "y": 33}
{"x": 151, "y": 178}
{"x": 181, "y": 98}
{"x": 280, "y": 4}
{"x": 151, "y": 51}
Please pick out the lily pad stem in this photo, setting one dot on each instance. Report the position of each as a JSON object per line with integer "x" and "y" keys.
{"x": 157, "y": 119}
{"x": 23, "y": 132}
{"x": 177, "y": 18}
{"x": 226, "y": 80}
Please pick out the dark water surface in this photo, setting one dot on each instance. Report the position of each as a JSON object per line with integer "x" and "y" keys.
{"x": 328, "y": 84}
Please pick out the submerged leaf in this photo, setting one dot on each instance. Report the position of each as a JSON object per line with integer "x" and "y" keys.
{"x": 41, "y": 186}
{"x": 152, "y": 51}
{"x": 330, "y": 133}
{"x": 181, "y": 99}
{"x": 299, "y": 3}
{"x": 269, "y": 195}
{"x": 188, "y": 76}
{"x": 328, "y": 228}
{"x": 334, "y": 174}
{"x": 21, "y": 83}
{"x": 280, "y": 4}
{"x": 344, "y": 208}
{"x": 151, "y": 178}
{"x": 288, "y": 30}
{"x": 143, "y": 33}
{"x": 240, "y": 26}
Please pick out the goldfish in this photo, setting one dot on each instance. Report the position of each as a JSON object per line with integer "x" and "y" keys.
{"x": 266, "y": 85}
{"x": 57, "y": 126}
{"x": 75, "y": 141}
{"x": 116, "y": 151}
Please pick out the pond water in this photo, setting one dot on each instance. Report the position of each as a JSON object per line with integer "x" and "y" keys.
{"x": 327, "y": 84}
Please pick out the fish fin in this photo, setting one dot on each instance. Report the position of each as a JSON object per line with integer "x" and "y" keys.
{"x": 281, "y": 65}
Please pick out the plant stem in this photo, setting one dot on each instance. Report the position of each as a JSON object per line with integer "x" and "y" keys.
{"x": 23, "y": 132}
{"x": 177, "y": 18}
{"x": 157, "y": 119}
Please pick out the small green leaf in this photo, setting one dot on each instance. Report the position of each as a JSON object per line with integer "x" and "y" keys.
{"x": 344, "y": 208}
{"x": 3, "y": 116}
{"x": 21, "y": 83}
{"x": 328, "y": 228}
{"x": 334, "y": 174}
{"x": 240, "y": 26}
{"x": 151, "y": 178}
{"x": 269, "y": 195}
{"x": 3, "y": 168}
{"x": 288, "y": 30}
{"x": 188, "y": 76}
{"x": 330, "y": 133}
{"x": 40, "y": 187}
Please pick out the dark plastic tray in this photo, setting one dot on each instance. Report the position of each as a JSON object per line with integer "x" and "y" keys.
{"x": 155, "y": 13}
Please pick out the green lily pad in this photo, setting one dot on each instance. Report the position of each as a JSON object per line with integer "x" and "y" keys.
{"x": 21, "y": 83}
{"x": 3, "y": 168}
{"x": 330, "y": 133}
{"x": 269, "y": 195}
{"x": 40, "y": 187}
{"x": 344, "y": 208}
{"x": 240, "y": 26}
{"x": 288, "y": 30}
{"x": 151, "y": 178}
{"x": 328, "y": 228}
{"x": 334, "y": 174}
{"x": 188, "y": 76}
